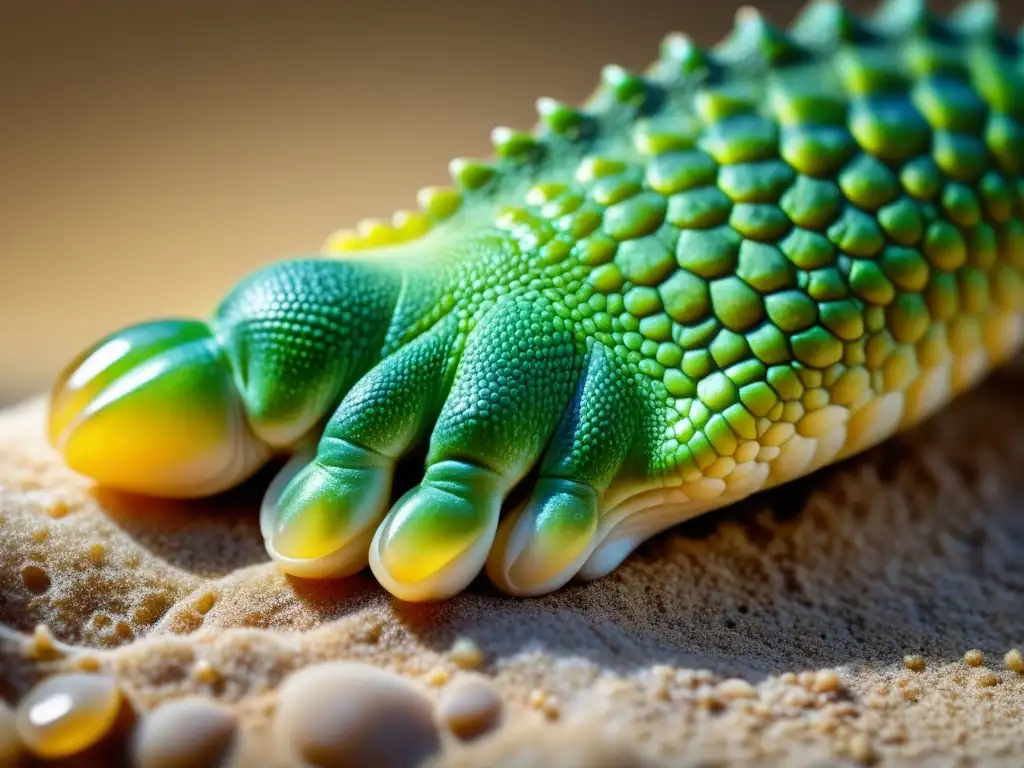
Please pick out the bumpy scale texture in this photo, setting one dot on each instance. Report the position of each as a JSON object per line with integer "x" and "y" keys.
{"x": 716, "y": 276}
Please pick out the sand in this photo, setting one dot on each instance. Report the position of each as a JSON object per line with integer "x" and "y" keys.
{"x": 860, "y": 615}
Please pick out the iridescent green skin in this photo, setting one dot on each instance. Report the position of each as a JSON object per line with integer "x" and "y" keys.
{"x": 717, "y": 276}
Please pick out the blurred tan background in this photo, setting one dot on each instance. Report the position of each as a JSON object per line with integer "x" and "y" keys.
{"x": 152, "y": 153}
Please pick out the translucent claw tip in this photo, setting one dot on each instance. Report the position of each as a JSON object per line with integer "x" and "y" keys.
{"x": 318, "y": 520}
{"x": 541, "y": 547}
{"x": 153, "y": 409}
{"x": 436, "y": 539}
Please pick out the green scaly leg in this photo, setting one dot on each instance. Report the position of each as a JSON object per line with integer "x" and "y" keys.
{"x": 541, "y": 546}
{"x": 186, "y": 408}
{"x": 510, "y": 391}
{"x": 318, "y": 522}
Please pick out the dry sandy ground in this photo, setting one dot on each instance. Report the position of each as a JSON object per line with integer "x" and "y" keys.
{"x": 915, "y": 548}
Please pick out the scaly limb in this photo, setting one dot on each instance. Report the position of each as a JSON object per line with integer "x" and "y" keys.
{"x": 318, "y": 522}
{"x": 511, "y": 389}
{"x": 543, "y": 544}
{"x": 186, "y": 408}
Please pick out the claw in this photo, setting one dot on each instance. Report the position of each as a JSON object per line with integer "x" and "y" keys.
{"x": 437, "y": 537}
{"x": 541, "y": 548}
{"x": 320, "y": 523}
{"x": 153, "y": 409}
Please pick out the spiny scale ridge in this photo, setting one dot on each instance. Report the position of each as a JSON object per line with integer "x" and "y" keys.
{"x": 754, "y": 46}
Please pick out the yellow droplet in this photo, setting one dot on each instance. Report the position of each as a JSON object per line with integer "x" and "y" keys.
{"x": 68, "y": 713}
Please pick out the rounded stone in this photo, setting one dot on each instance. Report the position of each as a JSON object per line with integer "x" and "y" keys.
{"x": 185, "y": 733}
{"x": 470, "y": 707}
{"x": 68, "y": 713}
{"x": 346, "y": 714}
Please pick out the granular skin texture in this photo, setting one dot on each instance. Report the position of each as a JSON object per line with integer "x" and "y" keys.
{"x": 812, "y": 594}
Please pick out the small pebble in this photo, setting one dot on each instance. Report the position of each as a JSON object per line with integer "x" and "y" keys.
{"x": 974, "y": 658}
{"x": 35, "y": 578}
{"x": 185, "y": 733}
{"x": 911, "y": 693}
{"x": 862, "y": 750}
{"x": 466, "y": 654}
{"x": 545, "y": 703}
{"x": 205, "y": 672}
{"x": 57, "y": 509}
{"x": 826, "y": 681}
{"x": 10, "y": 742}
{"x": 68, "y": 713}
{"x": 87, "y": 663}
{"x": 438, "y": 676}
{"x": 914, "y": 663}
{"x": 1014, "y": 661}
{"x": 735, "y": 688}
{"x": 97, "y": 552}
{"x": 470, "y": 707}
{"x": 347, "y": 715}
{"x": 42, "y": 645}
{"x": 988, "y": 679}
